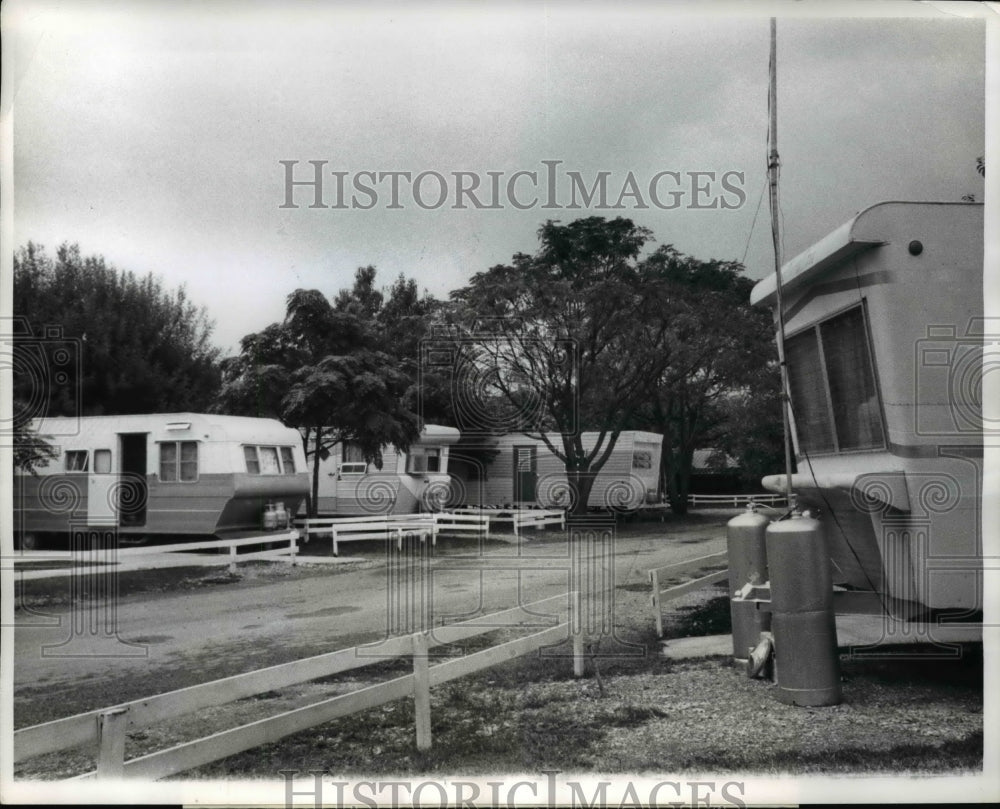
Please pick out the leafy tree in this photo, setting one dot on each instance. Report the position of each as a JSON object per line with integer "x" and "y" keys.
{"x": 718, "y": 365}
{"x": 141, "y": 348}
{"x": 322, "y": 371}
{"x": 563, "y": 340}
{"x": 30, "y": 448}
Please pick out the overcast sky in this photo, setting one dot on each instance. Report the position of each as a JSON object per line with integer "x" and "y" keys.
{"x": 152, "y": 133}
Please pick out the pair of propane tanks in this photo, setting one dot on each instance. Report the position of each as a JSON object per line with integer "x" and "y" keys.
{"x": 790, "y": 554}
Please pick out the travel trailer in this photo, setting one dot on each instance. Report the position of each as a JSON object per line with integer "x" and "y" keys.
{"x": 408, "y": 482}
{"x": 524, "y": 472}
{"x": 885, "y": 348}
{"x": 158, "y": 475}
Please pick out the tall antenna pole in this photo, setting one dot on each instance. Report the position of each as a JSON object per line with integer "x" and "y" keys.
{"x": 772, "y": 174}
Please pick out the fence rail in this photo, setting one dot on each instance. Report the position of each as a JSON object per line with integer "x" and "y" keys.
{"x": 106, "y": 728}
{"x": 664, "y": 574}
{"x": 736, "y": 500}
{"x": 103, "y": 559}
{"x": 519, "y": 518}
{"x": 382, "y": 526}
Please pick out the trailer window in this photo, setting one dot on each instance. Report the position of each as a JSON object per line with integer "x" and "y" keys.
{"x": 265, "y": 460}
{"x": 250, "y": 454}
{"x": 832, "y": 381}
{"x": 642, "y": 460}
{"x": 423, "y": 459}
{"x": 102, "y": 461}
{"x": 268, "y": 460}
{"x": 178, "y": 461}
{"x": 76, "y": 460}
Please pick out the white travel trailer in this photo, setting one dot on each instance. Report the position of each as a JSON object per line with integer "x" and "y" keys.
{"x": 885, "y": 348}
{"x": 524, "y": 472}
{"x": 408, "y": 482}
{"x": 161, "y": 475}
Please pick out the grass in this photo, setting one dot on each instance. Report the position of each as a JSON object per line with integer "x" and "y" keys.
{"x": 654, "y": 715}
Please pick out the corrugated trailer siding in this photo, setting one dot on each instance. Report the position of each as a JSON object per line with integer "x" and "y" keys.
{"x": 50, "y": 502}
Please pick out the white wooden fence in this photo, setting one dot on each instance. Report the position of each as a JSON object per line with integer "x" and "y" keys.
{"x": 662, "y": 574}
{"x": 86, "y": 562}
{"x": 381, "y": 526}
{"x": 519, "y": 518}
{"x": 106, "y": 728}
{"x": 736, "y": 500}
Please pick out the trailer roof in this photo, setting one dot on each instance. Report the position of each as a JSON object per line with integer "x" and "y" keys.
{"x": 244, "y": 429}
{"x": 845, "y": 242}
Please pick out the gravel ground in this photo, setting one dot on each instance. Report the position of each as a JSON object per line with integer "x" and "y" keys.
{"x": 638, "y": 712}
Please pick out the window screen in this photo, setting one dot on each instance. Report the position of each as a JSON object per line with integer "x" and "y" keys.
{"x": 168, "y": 461}
{"x": 852, "y": 384}
{"x": 189, "y": 461}
{"x": 287, "y": 460}
{"x": 250, "y": 454}
{"x": 102, "y": 461}
{"x": 178, "y": 461}
{"x": 840, "y": 410}
{"x": 808, "y": 392}
{"x": 268, "y": 460}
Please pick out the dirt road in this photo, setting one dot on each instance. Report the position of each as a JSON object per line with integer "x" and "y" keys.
{"x": 74, "y": 659}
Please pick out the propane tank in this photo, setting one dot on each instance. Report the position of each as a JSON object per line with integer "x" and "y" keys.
{"x": 802, "y": 616}
{"x": 270, "y": 517}
{"x": 280, "y": 515}
{"x": 745, "y": 536}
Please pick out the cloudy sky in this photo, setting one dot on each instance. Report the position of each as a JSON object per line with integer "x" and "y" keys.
{"x": 152, "y": 133}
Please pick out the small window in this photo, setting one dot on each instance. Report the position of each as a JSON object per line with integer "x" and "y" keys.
{"x": 353, "y": 468}
{"x": 268, "y": 460}
{"x": 102, "y": 461}
{"x": 76, "y": 460}
{"x": 189, "y": 460}
{"x": 642, "y": 460}
{"x": 423, "y": 459}
{"x": 253, "y": 465}
{"x": 178, "y": 461}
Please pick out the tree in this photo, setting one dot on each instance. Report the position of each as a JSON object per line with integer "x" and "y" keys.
{"x": 30, "y": 448}
{"x": 718, "y": 364}
{"x": 563, "y": 339}
{"x": 136, "y": 347}
{"x": 321, "y": 370}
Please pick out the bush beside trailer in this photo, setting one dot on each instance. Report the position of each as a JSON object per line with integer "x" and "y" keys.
{"x": 408, "y": 482}
{"x": 885, "y": 348}
{"x": 525, "y": 473}
{"x": 161, "y": 475}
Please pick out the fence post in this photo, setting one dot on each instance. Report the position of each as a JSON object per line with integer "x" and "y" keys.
{"x": 576, "y": 629}
{"x": 421, "y": 691}
{"x": 111, "y": 743}
{"x": 294, "y": 546}
{"x": 333, "y": 534}
{"x": 232, "y": 559}
{"x": 654, "y": 580}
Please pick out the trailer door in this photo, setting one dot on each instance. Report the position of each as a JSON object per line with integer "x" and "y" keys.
{"x": 525, "y": 473}
{"x": 102, "y": 508}
{"x": 134, "y": 491}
